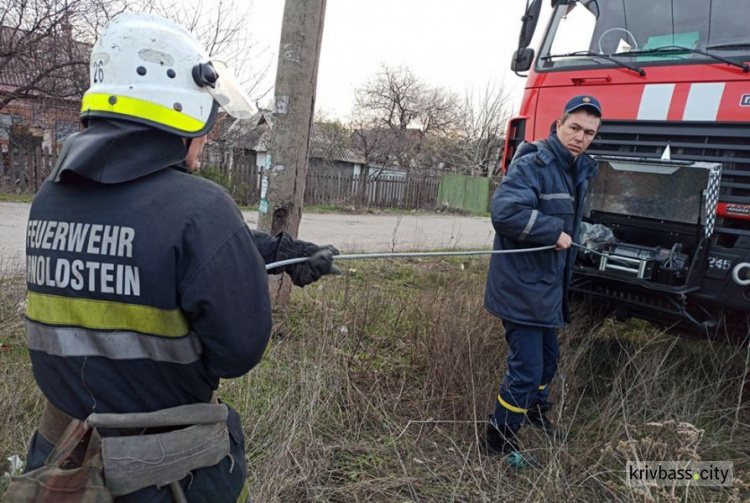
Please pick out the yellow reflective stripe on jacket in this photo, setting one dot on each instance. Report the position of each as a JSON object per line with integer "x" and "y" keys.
{"x": 244, "y": 496}
{"x": 542, "y": 386}
{"x": 142, "y": 109}
{"x": 105, "y": 315}
{"x": 510, "y": 407}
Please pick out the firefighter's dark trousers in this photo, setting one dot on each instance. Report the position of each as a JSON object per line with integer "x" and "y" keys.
{"x": 533, "y": 354}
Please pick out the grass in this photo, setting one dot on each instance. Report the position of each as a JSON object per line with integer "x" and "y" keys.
{"x": 377, "y": 384}
{"x": 351, "y": 210}
{"x": 389, "y": 211}
{"x": 16, "y": 198}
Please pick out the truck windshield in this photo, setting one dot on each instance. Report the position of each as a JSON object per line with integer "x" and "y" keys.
{"x": 717, "y": 26}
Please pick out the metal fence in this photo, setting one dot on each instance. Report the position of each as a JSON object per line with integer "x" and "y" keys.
{"x": 465, "y": 192}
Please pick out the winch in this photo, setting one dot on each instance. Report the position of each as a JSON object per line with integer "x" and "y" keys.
{"x": 645, "y": 262}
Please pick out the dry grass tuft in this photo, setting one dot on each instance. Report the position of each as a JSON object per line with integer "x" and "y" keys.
{"x": 20, "y": 399}
{"x": 378, "y": 383}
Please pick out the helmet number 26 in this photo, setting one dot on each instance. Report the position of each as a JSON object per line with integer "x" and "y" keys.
{"x": 98, "y": 71}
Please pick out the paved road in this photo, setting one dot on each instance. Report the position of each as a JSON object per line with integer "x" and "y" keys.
{"x": 350, "y": 233}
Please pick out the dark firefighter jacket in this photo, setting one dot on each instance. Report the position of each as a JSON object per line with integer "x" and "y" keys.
{"x": 145, "y": 286}
{"x": 542, "y": 195}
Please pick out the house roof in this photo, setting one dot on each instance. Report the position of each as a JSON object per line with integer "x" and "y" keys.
{"x": 57, "y": 63}
{"x": 255, "y": 134}
{"x": 251, "y": 134}
{"x": 324, "y": 148}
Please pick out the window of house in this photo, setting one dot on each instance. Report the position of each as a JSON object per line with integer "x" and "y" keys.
{"x": 6, "y": 121}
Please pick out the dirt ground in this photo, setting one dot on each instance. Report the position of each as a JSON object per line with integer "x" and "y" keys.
{"x": 350, "y": 233}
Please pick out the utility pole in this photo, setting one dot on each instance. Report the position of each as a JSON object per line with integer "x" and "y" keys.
{"x": 283, "y": 190}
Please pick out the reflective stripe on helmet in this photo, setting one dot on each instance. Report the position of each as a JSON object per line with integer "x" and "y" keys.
{"x": 105, "y": 315}
{"x": 141, "y": 109}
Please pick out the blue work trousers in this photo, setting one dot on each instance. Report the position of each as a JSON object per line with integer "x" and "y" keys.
{"x": 533, "y": 354}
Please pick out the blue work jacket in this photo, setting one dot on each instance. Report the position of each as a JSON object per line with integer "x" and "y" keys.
{"x": 542, "y": 195}
{"x": 145, "y": 288}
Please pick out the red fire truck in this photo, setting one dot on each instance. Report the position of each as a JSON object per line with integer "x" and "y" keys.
{"x": 671, "y": 76}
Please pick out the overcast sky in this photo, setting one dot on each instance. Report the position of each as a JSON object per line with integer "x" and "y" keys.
{"x": 456, "y": 44}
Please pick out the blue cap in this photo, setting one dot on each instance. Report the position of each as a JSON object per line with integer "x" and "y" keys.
{"x": 589, "y": 102}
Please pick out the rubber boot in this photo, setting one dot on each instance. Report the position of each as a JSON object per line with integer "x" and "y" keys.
{"x": 537, "y": 417}
{"x": 501, "y": 442}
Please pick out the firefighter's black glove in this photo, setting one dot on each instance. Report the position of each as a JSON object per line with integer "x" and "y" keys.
{"x": 304, "y": 273}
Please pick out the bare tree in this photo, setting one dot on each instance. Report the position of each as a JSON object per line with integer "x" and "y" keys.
{"x": 329, "y": 141}
{"x": 38, "y": 55}
{"x": 97, "y": 14}
{"x": 475, "y": 144}
{"x": 45, "y": 44}
{"x": 395, "y": 117}
{"x": 223, "y": 29}
{"x": 398, "y": 100}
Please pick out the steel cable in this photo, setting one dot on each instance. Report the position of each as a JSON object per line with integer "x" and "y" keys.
{"x": 359, "y": 256}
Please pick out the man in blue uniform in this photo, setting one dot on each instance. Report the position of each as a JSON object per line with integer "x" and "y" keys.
{"x": 145, "y": 285}
{"x": 539, "y": 203}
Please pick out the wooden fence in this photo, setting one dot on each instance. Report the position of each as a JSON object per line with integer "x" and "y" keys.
{"x": 24, "y": 171}
{"x": 386, "y": 191}
{"x": 236, "y": 171}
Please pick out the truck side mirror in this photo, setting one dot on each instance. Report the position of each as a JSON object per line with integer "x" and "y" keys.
{"x": 522, "y": 59}
{"x": 529, "y": 22}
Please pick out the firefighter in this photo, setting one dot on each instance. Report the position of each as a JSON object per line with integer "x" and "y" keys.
{"x": 145, "y": 285}
{"x": 540, "y": 202}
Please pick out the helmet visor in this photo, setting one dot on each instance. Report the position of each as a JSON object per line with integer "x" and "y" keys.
{"x": 228, "y": 93}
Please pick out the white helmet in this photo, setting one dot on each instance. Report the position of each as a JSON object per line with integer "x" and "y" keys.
{"x": 147, "y": 69}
